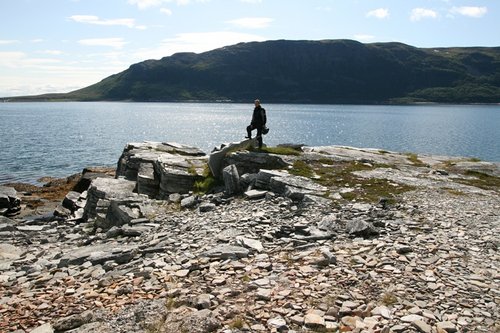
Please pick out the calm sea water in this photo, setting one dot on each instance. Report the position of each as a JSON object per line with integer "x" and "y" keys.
{"x": 59, "y": 139}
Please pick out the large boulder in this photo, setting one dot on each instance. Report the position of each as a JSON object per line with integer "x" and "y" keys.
{"x": 134, "y": 154}
{"x": 251, "y": 162}
{"x": 178, "y": 174}
{"x": 218, "y": 155}
{"x": 296, "y": 187}
{"x": 10, "y": 204}
{"x": 231, "y": 180}
{"x": 102, "y": 190}
{"x": 148, "y": 181}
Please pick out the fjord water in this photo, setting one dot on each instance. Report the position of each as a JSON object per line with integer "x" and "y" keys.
{"x": 60, "y": 139}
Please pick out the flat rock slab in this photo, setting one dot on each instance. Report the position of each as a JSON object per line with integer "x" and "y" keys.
{"x": 97, "y": 254}
{"x": 9, "y": 252}
{"x": 226, "y": 252}
{"x": 255, "y": 194}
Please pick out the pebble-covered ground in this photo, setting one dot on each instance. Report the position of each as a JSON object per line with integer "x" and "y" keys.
{"x": 426, "y": 262}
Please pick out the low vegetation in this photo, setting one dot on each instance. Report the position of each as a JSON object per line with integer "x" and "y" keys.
{"x": 341, "y": 177}
{"x": 207, "y": 183}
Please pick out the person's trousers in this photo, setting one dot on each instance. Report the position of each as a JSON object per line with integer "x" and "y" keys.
{"x": 250, "y": 128}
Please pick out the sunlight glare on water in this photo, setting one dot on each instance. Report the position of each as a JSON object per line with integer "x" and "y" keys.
{"x": 59, "y": 139}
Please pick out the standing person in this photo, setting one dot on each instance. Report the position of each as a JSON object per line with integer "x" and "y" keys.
{"x": 258, "y": 122}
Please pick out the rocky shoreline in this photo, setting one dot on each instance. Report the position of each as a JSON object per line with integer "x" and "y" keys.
{"x": 289, "y": 239}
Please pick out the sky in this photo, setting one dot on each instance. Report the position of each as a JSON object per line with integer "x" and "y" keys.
{"x": 49, "y": 46}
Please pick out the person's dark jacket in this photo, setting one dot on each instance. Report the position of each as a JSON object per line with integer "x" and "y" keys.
{"x": 259, "y": 118}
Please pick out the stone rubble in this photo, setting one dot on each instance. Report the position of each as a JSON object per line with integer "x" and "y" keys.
{"x": 283, "y": 257}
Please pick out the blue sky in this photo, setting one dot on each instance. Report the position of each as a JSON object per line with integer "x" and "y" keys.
{"x": 62, "y": 45}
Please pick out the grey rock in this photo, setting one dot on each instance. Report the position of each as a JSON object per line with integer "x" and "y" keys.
{"x": 314, "y": 321}
{"x": 135, "y": 231}
{"x": 45, "y": 328}
{"x": 361, "y": 228}
{"x": 248, "y": 180}
{"x": 264, "y": 176}
{"x": 10, "y": 203}
{"x": 96, "y": 254}
{"x": 226, "y": 252}
{"x": 70, "y": 201}
{"x": 295, "y": 187}
{"x": 217, "y": 157}
{"x": 263, "y": 294}
{"x": 203, "y": 301}
{"x": 178, "y": 174}
{"x": 251, "y": 162}
{"x": 73, "y": 321}
{"x": 328, "y": 223}
{"x": 190, "y": 320}
{"x": 175, "y": 198}
{"x": 327, "y": 258}
{"x": 422, "y": 326}
{"x": 149, "y": 152}
{"x": 206, "y": 207}
{"x": 255, "y": 194}
{"x": 447, "y": 327}
{"x": 189, "y": 202}
{"x": 148, "y": 181}
{"x": 121, "y": 212}
{"x": 277, "y": 323}
{"x": 9, "y": 252}
{"x": 61, "y": 211}
{"x": 114, "y": 232}
{"x": 252, "y": 244}
{"x": 32, "y": 228}
{"x": 106, "y": 189}
{"x": 231, "y": 179}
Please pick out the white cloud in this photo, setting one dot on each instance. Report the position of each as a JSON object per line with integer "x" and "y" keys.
{"x": 252, "y": 22}
{"x": 379, "y": 13}
{"x": 8, "y": 41}
{"x": 195, "y": 42}
{"x": 91, "y": 19}
{"x": 470, "y": 11}
{"x": 117, "y": 43}
{"x": 21, "y": 60}
{"x": 364, "y": 38}
{"x": 251, "y": 1}
{"x": 166, "y": 11}
{"x": 145, "y": 4}
{"x": 418, "y": 14}
{"x": 51, "y": 52}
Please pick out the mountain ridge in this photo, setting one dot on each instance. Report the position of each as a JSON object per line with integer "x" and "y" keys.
{"x": 305, "y": 71}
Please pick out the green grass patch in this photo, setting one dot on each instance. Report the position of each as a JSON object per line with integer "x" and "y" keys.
{"x": 326, "y": 161}
{"x": 413, "y": 158}
{"x": 237, "y": 323}
{"x": 480, "y": 180}
{"x": 277, "y": 150}
{"x": 302, "y": 168}
{"x": 454, "y": 191}
{"x": 389, "y": 298}
{"x": 207, "y": 182}
{"x": 341, "y": 175}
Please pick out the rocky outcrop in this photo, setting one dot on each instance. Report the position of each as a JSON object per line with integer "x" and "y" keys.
{"x": 291, "y": 254}
{"x": 161, "y": 169}
{"x": 10, "y": 204}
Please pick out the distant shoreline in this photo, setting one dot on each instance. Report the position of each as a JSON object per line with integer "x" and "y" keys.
{"x": 29, "y": 99}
